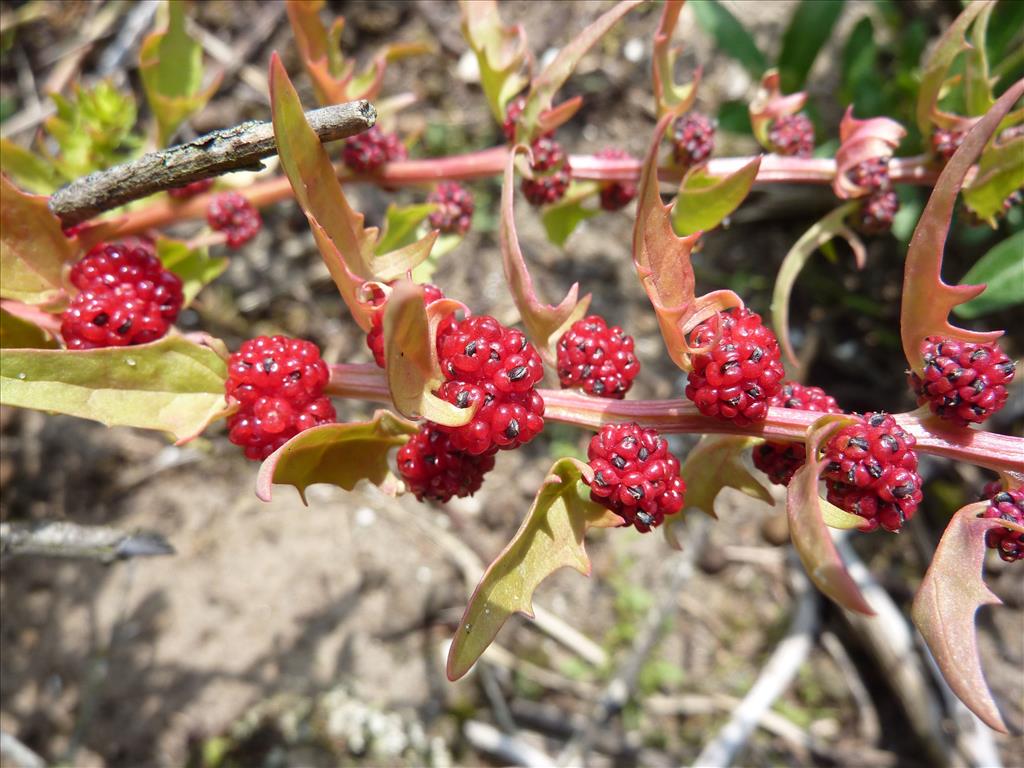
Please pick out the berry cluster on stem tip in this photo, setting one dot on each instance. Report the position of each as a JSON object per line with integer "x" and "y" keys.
{"x": 366, "y": 152}
{"x": 235, "y": 216}
{"x": 597, "y": 358}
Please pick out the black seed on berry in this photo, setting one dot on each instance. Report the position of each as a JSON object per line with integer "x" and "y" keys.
{"x": 268, "y": 364}
{"x": 599, "y": 387}
{"x": 978, "y": 386}
{"x": 628, "y": 442}
{"x": 756, "y": 356}
{"x": 517, "y": 373}
{"x": 900, "y": 491}
{"x": 645, "y": 518}
{"x": 430, "y": 459}
{"x": 833, "y": 467}
{"x": 470, "y": 348}
{"x": 488, "y": 399}
{"x": 734, "y": 402}
{"x": 642, "y": 454}
{"x": 599, "y": 480}
{"x": 125, "y": 327}
{"x": 462, "y": 399}
{"x": 101, "y": 319}
{"x": 1007, "y": 368}
{"x": 618, "y": 462}
{"x": 512, "y": 430}
{"x": 523, "y": 343}
{"x": 979, "y": 353}
{"x": 755, "y": 392}
{"x": 889, "y": 442}
{"x": 956, "y": 373}
{"x": 876, "y": 420}
{"x": 635, "y": 491}
{"x": 859, "y": 442}
{"x": 731, "y": 366}
{"x": 1002, "y": 498}
{"x": 495, "y": 355}
{"x": 793, "y": 403}
{"x": 587, "y": 370}
{"x": 295, "y": 375}
{"x": 874, "y": 469}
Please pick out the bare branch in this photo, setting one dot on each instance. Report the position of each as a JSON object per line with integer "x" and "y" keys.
{"x": 57, "y": 538}
{"x": 17, "y": 754}
{"x": 229, "y": 149}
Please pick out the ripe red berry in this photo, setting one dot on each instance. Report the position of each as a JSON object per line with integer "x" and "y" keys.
{"x": 946, "y": 142}
{"x": 454, "y": 211}
{"x": 635, "y": 475}
{"x": 191, "y": 189}
{"x": 792, "y": 135}
{"x": 780, "y": 461}
{"x": 551, "y": 173}
{"x": 126, "y": 298}
{"x": 616, "y": 194}
{"x": 433, "y": 469}
{"x": 375, "y": 336}
{"x": 547, "y": 154}
{"x": 872, "y": 472}
{"x": 963, "y": 381}
{"x": 1009, "y": 506}
{"x": 485, "y": 362}
{"x": 235, "y": 216}
{"x": 597, "y": 358}
{"x": 735, "y": 379}
{"x": 512, "y": 112}
{"x": 877, "y": 212}
{"x": 368, "y": 151}
{"x": 278, "y": 384}
{"x": 871, "y": 175}
{"x": 693, "y": 138}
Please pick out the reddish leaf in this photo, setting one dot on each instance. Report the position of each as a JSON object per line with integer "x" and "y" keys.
{"x": 807, "y": 525}
{"x": 500, "y": 52}
{"x": 862, "y": 140}
{"x": 337, "y": 454}
{"x": 769, "y": 105}
{"x": 945, "y": 606}
{"x": 830, "y": 227}
{"x": 551, "y": 537}
{"x": 662, "y": 261}
{"x": 33, "y": 249}
{"x": 544, "y": 323}
{"x": 927, "y": 300}
{"x": 412, "y": 370}
{"x": 670, "y": 97}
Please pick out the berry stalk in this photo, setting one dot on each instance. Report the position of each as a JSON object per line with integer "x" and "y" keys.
{"x": 679, "y": 416}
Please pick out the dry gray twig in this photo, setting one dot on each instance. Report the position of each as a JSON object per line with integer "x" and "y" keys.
{"x": 240, "y": 147}
{"x": 508, "y": 749}
{"x": 57, "y": 538}
{"x": 16, "y": 754}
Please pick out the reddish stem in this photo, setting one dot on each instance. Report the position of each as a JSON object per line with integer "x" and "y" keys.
{"x": 985, "y": 449}
{"x": 491, "y": 162}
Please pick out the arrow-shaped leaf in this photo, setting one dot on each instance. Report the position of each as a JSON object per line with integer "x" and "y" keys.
{"x": 501, "y": 53}
{"x": 1000, "y": 174}
{"x": 551, "y": 537}
{"x": 670, "y": 97}
{"x": 704, "y": 201}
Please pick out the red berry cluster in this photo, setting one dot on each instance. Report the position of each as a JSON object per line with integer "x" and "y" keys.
{"x": 946, "y": 142}
{"x": 872, "y": 472}
{"x": 693, "y": 138}
{"x": 597, "y": 358}
{"x": 486, "y": 363}
{"x": 191, "y": 189}
{"x": 375, "y": 336}
{"x": 880, "y": 204}
{"x": 792, "y": 135}
{"x": 433, "y": 469}
{"x": 235, "y": 216}
{"x": 126, "y": 298}
{"x": 616, "y": 194}
{"x": 963, "y": 381}
{"x": 736, "y": 378}
{"x": 551, "y": 172}
{"x": 512, "y": 112}
{"x": 1009, "y": 506}
{"x": 278, "y": 384}
{"x": 780, "y": 461}
{"x": 366, "y": 152}
{"x": 635, "y": 475}
{"x": 454, "y": 211}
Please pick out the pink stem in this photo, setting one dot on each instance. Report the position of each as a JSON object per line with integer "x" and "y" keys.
{"x": 985, "y": 449}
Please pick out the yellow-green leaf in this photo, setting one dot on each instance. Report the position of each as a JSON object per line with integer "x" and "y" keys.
{"x": 18, "y": 333}
{"x": 30, "y": 171}
{"x": 705, "y": 201}
{"x": 194, "y": 266}
{"x": 1000, "y": 174}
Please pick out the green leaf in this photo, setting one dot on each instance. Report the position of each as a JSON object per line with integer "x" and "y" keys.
{"x": 561, "y": 219}
{"x": 808, "y": 31}
{"x": 30, "y": 171}
{"x": 337, "y": 454}
{"x": 501, "y": 53}
{"x": 194, "y": 266}
{"x": 33, "y": 249}
{"x": 860, "y": 69}
{"x": 93, "y": 129}
{"x": 705, "y": 201}
{"x": 730, "y": 35}
{"x": 444, "y": 245}
{"x": 944, "y": 608}
{"x": 977, "y": 85}
{"x": 551, "y": 537}
{"x": 172, "y": 385}
{"x": 1000, "y": 174}
{"x": 400, "y": 225}
{"x": 716, "y": 462}
{"x": 18, "y": 333}
{"x": 669, "y": 96}
{"x": 1002, "y": 270}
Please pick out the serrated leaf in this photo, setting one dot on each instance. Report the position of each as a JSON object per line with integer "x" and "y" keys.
{"x": 337, "y": 454}
{"x": 550, "y": 537}
{"x": 769, "y": 104}
{"x": 944, "y": 610}
{"x": 194, "y": 266}
{"x": 862, "y": 140}
{"x": 716, "y": 462}
{"x": 346, "y": 247}
{"x": 33, "y": 249}
{"x": 809, "y": 29}
{"x": 18, "y": 333}
{"x": 1000, "y": 174}
{"x": 561, "y": 219}
{"x": 977, "y": 85}
{"x": 935, "y": 69}
{"x": 172, "y": 385}
{"x": 1002, "y": 271}
{"x": 669, "y": 96}
{"x": 703, "y": 201}
{"x": 544, "y": 323}
{"x": 927, "y": 300}
{"x": 400, "y": 223}
{"x": 730, "y": 35}
{"x": 412, "y": 370}
{"x": 28, "y": 170}
{"x": 820, "y": 234}
{"x": 501, "y": 53}
{"x": 171, "y": 67}
{"x": 662, "y": 261}
{"x": 807, "y": 525}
